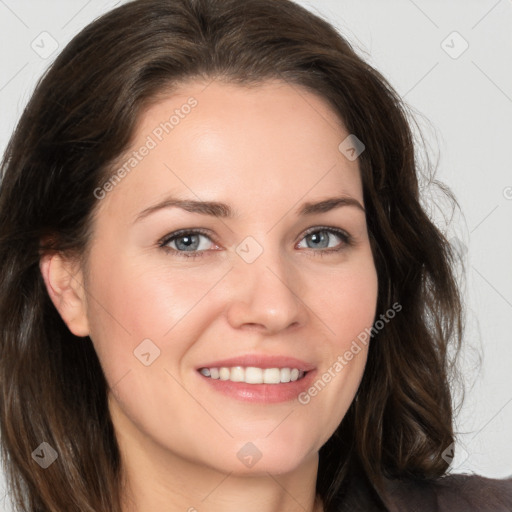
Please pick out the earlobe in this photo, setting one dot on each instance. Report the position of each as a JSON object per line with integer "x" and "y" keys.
{"x": 64, "y": 284}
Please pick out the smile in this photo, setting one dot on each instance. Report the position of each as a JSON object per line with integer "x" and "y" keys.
{"x": 254, "y": 375}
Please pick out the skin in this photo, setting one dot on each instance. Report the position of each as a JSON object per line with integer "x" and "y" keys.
{"x": 264, "y": 151}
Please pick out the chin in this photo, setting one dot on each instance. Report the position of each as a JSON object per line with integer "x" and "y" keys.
{"x": 261, "y": 456}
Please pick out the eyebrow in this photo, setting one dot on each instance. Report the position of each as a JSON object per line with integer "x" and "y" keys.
{"x": 223, "y": 210}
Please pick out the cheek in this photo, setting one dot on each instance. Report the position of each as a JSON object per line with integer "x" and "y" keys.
{"x": 345, "y": 300}
{"x": 347, "y": 310}
{"x": 132, "y": 300}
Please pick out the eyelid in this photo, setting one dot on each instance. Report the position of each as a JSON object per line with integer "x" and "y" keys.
{"x": 338, "y": 231}
{"x": 187, "y": 231}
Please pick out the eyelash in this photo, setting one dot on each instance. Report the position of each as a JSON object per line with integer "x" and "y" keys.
{"x": 347, "y": 241}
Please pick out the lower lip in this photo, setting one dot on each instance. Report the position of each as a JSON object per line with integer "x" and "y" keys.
{"x": 261, "y": 393}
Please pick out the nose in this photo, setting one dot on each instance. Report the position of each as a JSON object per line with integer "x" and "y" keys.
{"x": 265, "y": 296}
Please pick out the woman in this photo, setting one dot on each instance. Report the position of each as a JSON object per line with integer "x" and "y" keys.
{"x": 219, "y": 289}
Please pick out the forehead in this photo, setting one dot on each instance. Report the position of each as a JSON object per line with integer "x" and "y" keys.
{"x": 219, "y": 141}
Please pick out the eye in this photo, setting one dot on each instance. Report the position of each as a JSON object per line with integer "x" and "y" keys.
{"x": 188, "y": 243}
{"x": 327, "y": 239}
{"x": 193, "y": 243}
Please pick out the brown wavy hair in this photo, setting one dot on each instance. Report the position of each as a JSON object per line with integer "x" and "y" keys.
{"x": 82, "y": 117}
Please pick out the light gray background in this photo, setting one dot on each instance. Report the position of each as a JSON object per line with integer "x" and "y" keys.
{"x": 463, "y": 101}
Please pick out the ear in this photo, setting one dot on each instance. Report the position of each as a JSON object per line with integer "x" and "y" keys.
{"x": 64, "y": 283}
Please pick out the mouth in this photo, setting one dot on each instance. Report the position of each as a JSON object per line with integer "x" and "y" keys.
{"x": 258, "y": 378}
{"x": 253, "y": 374}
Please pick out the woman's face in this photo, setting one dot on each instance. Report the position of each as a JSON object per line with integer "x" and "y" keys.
{"x": 271, "y": 285}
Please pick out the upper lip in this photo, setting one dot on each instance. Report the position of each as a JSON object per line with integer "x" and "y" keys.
{"x": 261, "y": 361}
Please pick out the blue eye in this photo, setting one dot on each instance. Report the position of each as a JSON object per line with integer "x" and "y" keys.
{"x": 322, "y": 238}
{"x": 196, "y": 243}
{"x": 186, "y": 243}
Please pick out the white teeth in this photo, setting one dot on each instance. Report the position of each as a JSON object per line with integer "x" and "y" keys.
{"x": 224, "y": 373}
{"x": 253, "y": 375}
{"x": 271, "y": 375}
{"x": 237, "y": 374}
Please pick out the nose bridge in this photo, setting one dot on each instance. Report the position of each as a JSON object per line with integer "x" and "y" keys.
{"x": 265, "y": 288}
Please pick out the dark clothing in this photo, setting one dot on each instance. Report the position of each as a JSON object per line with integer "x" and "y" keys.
{"x": 452, "y": 493}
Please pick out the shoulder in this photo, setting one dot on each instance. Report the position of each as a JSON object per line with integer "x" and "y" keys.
{"x": 451, "y": 493}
